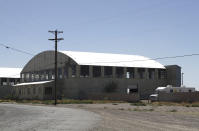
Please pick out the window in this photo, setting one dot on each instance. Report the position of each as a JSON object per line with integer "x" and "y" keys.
{"x": 36, "y": 77}
{"x": 17, "y": 81}
{"x": 3, "y": 81}
{"x": 171, "y": 90}
{"x": 141, "y": 72}
{"x": 84, "y": 71}
{"x": 73, "y": 67}
{"x": 66, "y": 72}
{"x": 42, "y": 76}
{"x": 151, "y": 73}
{"x": 161, "y": 74}
{"x": 52, "y": 74}
{"x": 119, "y": 72}
{"x": 96, "y": 71}
{"x": 32, "y": 76}
{"x": 27, "y": 77}
{"x": 12, "y": 81}
{"x": 130, "y": 72}
{"x": 22, "y": 77}
{"x": 108, "y": 71}
{"x": 48, "y": 91}
{"x": 60, "y": 73}
{"x": 47, "y": 75}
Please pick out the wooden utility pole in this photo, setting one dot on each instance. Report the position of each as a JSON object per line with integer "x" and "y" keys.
{"x": 56, "y": 32}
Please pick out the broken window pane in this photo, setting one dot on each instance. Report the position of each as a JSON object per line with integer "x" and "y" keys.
{"x": 141, "y": 72}
{"x": 96, "y": 71}
{"x": 108, "y": 71}
{"x": 161, "y": 74}
{"x": 130, "y": 72}
{"x": 60, "y": 73}
{"x": 84, "y": 71}
{"x": 73, "y": 67}
{"x": 66, "y": 72}
{"x": 151, "y": 73}
{"x": 3, "y": 81}
{"x": 119, "y": 72}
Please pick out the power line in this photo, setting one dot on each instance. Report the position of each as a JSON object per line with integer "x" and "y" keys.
{"x": 159, "y": 58}
{"x": 15, "y": 49}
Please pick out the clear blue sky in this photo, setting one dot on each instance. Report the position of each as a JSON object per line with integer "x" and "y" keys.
{"x": 152, "y": 28}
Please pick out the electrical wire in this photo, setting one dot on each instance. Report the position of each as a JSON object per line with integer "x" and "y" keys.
{"x": 15, "y": 49}
{"x": 158, "y": 58}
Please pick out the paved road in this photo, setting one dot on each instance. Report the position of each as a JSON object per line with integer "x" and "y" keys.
{"x": 15, "y": 117}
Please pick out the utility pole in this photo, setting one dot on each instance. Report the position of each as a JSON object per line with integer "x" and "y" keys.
{"x": 182, "y": 78}
{"x": 56, "y": 32}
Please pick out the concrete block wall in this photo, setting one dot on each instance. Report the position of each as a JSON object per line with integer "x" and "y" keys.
{"x": 84, "y": 87}
{"x": 179, "y": 97}
{"x": 5, "y": 92}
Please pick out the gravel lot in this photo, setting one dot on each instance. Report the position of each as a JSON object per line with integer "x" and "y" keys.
{"x": 125, "y": 117}
{"x": 98, "y": 117}
{"x": 18, "y": 117}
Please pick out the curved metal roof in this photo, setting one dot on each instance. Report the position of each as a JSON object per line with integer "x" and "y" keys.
{"x": 10, "y": 72}
{"x": 107, "y": 59}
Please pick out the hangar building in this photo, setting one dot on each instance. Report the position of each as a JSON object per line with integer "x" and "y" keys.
{"x": 87, "y": 75}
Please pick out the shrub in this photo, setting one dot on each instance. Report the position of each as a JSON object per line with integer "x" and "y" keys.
{"x": 138, "y": 104}
{"x": 173, "y": 110}
{"x": 195, "y": 105}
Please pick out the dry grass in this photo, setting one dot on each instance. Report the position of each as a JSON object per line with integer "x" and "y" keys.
{"x": 64, "y": 101}
{"x": 6, "y": 100}
{"x": 186, "y": 104}
{"x": 138, "y": 104}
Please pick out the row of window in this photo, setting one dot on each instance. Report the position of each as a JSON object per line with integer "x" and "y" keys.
{"x": 9, "y": 81}
{"x": 96, "y": 72}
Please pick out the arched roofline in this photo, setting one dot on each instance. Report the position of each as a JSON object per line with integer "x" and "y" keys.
{"x": 43, "y": 52}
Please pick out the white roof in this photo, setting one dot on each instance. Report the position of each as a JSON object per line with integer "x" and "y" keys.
{"x": 33, "y": 83}
{"x": 10, "y": 72}
{"x": 107, "y": 59}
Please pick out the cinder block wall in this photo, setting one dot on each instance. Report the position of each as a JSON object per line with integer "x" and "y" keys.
{"x": 173, "y": 75}
{"x": 179, "y": 97}
{"x": 84, "y": 87}
{"x": 5, "y": 92}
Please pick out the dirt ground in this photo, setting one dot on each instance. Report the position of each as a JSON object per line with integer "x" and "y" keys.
{"x": 125, "y": 117}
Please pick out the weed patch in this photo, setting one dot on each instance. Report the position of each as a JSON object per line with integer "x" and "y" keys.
{"x": 138, "y": 104}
